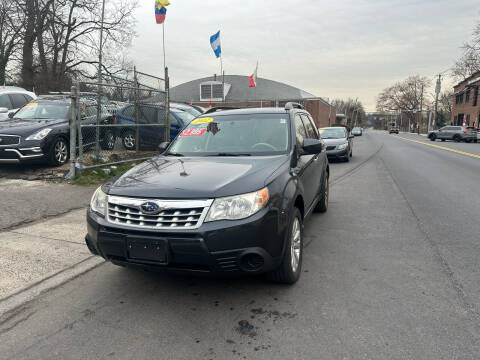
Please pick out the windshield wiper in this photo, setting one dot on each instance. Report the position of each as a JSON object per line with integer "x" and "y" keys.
{"x": 175, "y": 154}
{"x": 230, "y": 154}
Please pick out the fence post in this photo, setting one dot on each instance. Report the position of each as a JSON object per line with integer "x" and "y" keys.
{"x": 79, "y": 129}
{"x": 73, "y": 128}
{"x": 135, "y": 110}
{"x": 167, "y": 105}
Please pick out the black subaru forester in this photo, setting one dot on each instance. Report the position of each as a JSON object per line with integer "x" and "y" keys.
{"x": 229, "y": 195}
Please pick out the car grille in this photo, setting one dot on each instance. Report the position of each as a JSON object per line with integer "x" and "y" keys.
{"x": 9, "y": 140}
{"x": 331, "y": 148}
{"x": 173, "y": 214}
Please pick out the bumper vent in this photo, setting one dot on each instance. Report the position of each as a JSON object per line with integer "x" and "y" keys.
{"x": 331, "y": 148}
{"x": 228, "y": 264}
{"x": 171, "y": 214}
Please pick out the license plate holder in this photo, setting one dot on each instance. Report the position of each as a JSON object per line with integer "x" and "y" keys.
{"x": 146, "y": 249}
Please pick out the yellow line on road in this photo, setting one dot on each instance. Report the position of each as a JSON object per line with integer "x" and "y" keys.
{"x": 441, "y": 147}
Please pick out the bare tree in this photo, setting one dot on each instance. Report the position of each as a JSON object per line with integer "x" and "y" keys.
{"x": 469, "y": 62}
{"x": 408, "y": 95}
{"x": 11, "y": 24}
{"x": 352, "y": 108}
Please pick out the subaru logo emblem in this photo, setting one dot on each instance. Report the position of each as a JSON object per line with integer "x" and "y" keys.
{"x": 150, "y": 208}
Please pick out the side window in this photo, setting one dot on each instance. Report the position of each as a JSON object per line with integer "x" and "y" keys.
{"x": 28, "y": 98}
{"x": 18, "y": 100}
{"x": 147, "y": 114}
{"x": 310, "y": 129}
{"x": 128, "y": 112}
{"x": 299, "y": 130}
{"x": 5, "y": 102}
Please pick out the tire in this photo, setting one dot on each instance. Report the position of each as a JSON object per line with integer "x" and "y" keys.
{"x": 457, "y": 138}
{"x": 468, "y": 140}
{"x": 59, "y": 152}
{"x": 289, "y": 270}
{"x": 351, "y": 153}
{"x": 347, "y": 158}
{"x": 322, "y": 205}
{"x": 443, "y": 139}
{"x": 433, "y": 137}
{"x": 128, "y": 140}
{"x": 108, "y": 142}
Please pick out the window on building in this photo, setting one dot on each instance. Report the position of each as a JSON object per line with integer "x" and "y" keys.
{"x": 468, "y": 119}
{"x": 475, "y": 96}
{"x": 467, "y": 96}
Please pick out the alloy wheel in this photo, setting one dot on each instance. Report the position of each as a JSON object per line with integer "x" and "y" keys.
{"x": 295, "y": 244}
{"x": 61, "y": 152}
{"x": 129, "y": 140}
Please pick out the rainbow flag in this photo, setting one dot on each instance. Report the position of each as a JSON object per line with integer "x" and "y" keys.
{"x": 161, "y": 10}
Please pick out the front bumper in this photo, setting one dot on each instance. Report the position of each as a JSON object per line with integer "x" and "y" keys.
{"x": 252, "y": 245}
{"x": 332, "y": 154}
{"x": 18, "y": 154}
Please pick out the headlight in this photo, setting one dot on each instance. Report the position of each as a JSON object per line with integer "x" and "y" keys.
{"x": 98, "y": 203}
{"x": 342, "y": 146}
{"x": 39, "y": 135}
{"x": 238, "y": 206}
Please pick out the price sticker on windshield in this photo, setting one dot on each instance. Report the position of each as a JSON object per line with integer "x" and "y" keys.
{"x": 193, "y": 132}
{"x": 321, "y": 130}
{"x": 202, "y": 121}
{"x": 30, "y": 106}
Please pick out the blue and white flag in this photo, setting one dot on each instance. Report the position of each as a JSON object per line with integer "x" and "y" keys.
{"x": 215, "y": 42}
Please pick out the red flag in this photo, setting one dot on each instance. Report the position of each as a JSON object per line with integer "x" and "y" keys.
{"x": 253, "y": 78}
{"x": 191, "y": 101}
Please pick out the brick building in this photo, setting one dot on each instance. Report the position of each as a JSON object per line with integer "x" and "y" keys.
{"x": 466, "y": 107}
{"x": 207, "y": 92}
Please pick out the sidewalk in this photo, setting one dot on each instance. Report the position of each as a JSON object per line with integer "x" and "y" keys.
{"x": 43, "y": 250}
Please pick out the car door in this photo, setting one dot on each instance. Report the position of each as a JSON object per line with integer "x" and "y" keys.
{"x": 148, "y": 125}
{"x": 442, "y": 133}
{"x": 306, "y": 165}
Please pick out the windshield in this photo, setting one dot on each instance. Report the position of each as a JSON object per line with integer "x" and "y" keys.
{"x": 44, "y": 110}
{"x": 334, "y": 133}
{"x": 253, "y": 134}
{"x": 356, "y": 129}
{"x": 184, "y": 116}
{"x": 192, "y": 111}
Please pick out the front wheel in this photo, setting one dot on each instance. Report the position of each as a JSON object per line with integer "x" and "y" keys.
{"x": 59, "y": 153}
{"x": 433, "y": 137}
{"x": 457, "y": 138}
{"x": 291, "y": 267}
{"x": 109, "y": 139}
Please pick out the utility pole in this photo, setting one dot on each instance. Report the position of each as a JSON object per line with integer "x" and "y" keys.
{"x": 421, "y": 109}
{"x": 99, "y": 95}
{"x": 437, "y": 94}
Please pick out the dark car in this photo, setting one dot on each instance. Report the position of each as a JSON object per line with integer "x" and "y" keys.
{"x": 40, "y": 131}
{"x": 229, "y": 196}
{"x": 455, "y": 133}
{"x": 393, "y": 130}
{"x": 338, "y": 142}
{"x": 151, "y": 119}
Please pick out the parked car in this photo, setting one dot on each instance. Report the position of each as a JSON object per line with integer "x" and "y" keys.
{"x": 150, "y": 116}
{"x": 40, "y": 131}
{"x": 455, "y": 133}
{"x": 188, "y": 108}
{"x": 393, "y": 130}
{"x": 338, "y": 142}
{"x": 13, "y": 98}
{"x": 357, "y": 131}
{"x": 229, "y": 195}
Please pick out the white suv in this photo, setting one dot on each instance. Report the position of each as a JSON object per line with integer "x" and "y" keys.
{"x": 13, "y": 98}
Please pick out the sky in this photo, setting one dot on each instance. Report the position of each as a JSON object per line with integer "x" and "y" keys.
{"x": 332, "y": 49}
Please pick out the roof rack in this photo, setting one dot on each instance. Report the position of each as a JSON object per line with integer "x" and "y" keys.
{"x": 219, "y": 108}
{"x": 293, "y": 105}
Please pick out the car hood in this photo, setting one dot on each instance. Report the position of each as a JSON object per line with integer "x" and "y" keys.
{"x": 169, "y": 177}
{"x": 330, "y": 142}
{"x": 26, "y": 127}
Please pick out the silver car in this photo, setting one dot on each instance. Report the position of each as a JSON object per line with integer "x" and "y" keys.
{"x": 13, "y": 98}
{"x": 338, "y": 142}
{"x": 455, "y": 133}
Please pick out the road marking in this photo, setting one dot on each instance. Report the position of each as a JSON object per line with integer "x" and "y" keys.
{"x": 442, "y": 147}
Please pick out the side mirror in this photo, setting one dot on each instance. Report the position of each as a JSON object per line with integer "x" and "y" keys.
{"x": 10, "y": 115}
{"x": 351, "y": 136}
{"x": 312, "y": 146}
{"x": 3, "y": 110}
{"x": 163, "y": 146}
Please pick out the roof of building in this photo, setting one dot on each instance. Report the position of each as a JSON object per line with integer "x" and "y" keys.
{"x": 240, "y": 90}
{"x": 471, "y": 79}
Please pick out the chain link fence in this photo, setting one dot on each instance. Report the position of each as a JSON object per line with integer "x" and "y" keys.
{"x": 118, "y": 120}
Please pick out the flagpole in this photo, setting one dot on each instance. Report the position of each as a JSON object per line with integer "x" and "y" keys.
{"x": 163, "y": 35}
{"x": 223, "y": 78}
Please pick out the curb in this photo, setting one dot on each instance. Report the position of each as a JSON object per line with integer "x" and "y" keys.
{"x": 28, "y": 294}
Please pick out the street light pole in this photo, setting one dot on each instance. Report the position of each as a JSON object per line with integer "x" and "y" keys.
{"x": 437, "y": 93}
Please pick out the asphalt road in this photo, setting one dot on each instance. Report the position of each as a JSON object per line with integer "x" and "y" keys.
{"x": 391, "y": 272}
